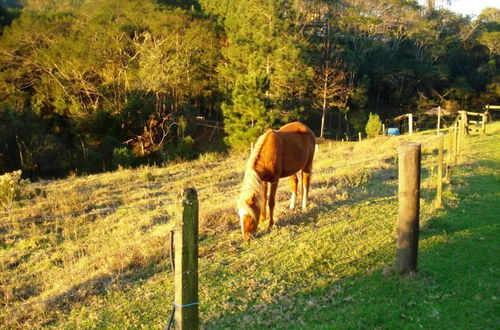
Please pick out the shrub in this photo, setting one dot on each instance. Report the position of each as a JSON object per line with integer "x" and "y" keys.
{"x": 122, "y": 157}
{"x": 184, "y": 149}
{"x": 373, "y": 126}
{"x": 11, "y": 187}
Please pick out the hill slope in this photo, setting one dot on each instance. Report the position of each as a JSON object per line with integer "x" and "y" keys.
{"x": 92, "y": 251}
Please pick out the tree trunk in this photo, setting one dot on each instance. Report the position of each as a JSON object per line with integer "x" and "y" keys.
{"x": 323, "y": 118}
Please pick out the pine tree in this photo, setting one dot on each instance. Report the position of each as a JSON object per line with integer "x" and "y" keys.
{"x": 263, "y": 73}
{"x": 247, "y": 116}
{"x": 373, "y": 126}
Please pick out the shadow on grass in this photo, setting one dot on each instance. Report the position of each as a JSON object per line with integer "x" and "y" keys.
{"x": 457, "y": 284}
{"x": 362, "y": 193}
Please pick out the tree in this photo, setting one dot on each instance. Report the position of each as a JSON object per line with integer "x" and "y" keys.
{"x": 331, "y": 88}
{"x": 263, "y": 71}
{"x": 373, "y": 126}
{"x": 136, "y": 66}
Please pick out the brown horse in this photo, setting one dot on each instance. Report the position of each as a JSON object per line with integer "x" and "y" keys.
{"x": 277, "y": 154}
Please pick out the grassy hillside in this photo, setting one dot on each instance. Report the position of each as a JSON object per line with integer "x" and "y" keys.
{"x": 92, "y": 251}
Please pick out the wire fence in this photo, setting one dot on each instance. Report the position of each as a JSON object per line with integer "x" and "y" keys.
{"x": 240, "y": 253}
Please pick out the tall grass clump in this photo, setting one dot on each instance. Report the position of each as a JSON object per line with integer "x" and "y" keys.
{"x": 11, "y": 188}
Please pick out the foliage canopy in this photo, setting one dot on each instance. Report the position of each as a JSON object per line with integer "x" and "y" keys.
{"x": 79, "y": 79}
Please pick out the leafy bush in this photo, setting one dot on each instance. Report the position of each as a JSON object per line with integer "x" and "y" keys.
{"x": 184, "y": 149}
{"x": 373, "y": 126}
{"x": 122, "y": 157}
{"x": 11, "y": 188}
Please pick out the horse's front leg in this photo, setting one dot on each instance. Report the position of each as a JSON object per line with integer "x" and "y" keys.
{"x": 264, "y": 203}
{"x": 306, "y": 182}
{"x": 272, "y": 202}
{"x": 294, "y": 181}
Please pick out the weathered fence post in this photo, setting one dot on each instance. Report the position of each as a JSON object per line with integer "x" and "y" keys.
{"x": 410, "y": 124}
{"x": 409, "y": 207}
{"x": 439, "y": 120}
{"x": 465, "y": 123}
{"x": 483, "y": 123}
{"x": 455, "y": 149}
{"x": 449, "y": 158}
{"x": 359, "y": 136}
{"x": 439, "y": 187}
{"x": 186, "y": 263}
{"x": 383, "y": 129}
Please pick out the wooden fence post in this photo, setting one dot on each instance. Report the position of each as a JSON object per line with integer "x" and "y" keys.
{"x": 383, "y": 129}
{"x": 449, "y": 158}
{"x": 359, "y": 136}
{"x": 439, "y": 120}
{"x": 483, "y": 123}
{"x": 465, "y": 124}
{"x": 439, "y": 188}
{"x": 186, "y": 263}
{"x": 455, "y": 149}
{"x": 409, "y": 207}
{"x": 410, "y": 124}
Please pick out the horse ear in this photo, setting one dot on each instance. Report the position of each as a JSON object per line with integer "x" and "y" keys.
{"x": 251, "y": 199}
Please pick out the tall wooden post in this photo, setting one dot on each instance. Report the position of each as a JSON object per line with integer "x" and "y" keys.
{"x": 186, "y": 263}
{"x": 410, "y": 124}
{"x": 455, "y": 149}
{"x": 483, "y": 123}
{"x": 383, "y": 130}
{"x": 359, "y": 136}
{"x": 409, "y": 207}
{"x": 450, "y": 153}
{"x": 439, "y": 185}
{"x": 465, "y": 125}
{"x": 439, "y": 120}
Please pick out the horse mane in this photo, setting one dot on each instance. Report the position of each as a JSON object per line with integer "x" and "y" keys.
{"x": 256, "y": 149}
{"x": 252, "y": 183}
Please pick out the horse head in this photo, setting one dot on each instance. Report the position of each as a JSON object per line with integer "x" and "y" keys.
{"x": 249, "y": 211}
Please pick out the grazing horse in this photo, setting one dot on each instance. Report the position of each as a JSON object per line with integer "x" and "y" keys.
{"x": 276, "y": 154}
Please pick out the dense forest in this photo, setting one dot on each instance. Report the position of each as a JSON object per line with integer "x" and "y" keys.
{"x": 89, "y": 85}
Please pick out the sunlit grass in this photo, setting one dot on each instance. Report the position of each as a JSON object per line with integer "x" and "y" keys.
{"x": 94, "y": 249}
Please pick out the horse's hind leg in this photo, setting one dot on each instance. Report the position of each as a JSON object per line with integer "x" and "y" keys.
{"x": 306, "y": 182}
{"x": 294, "y": 182}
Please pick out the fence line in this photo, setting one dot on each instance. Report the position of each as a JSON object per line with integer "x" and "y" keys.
{"x": 110, "y": 209}
{"x": 328, "y": 170}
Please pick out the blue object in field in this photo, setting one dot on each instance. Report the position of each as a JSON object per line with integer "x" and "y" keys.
{"x": 393, "y": 131}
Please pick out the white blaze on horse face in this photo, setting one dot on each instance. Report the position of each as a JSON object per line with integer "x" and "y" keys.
{"x": 292, "y": 200}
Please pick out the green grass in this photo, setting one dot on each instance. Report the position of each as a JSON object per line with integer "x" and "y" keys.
{"x": 318, "y": 268}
